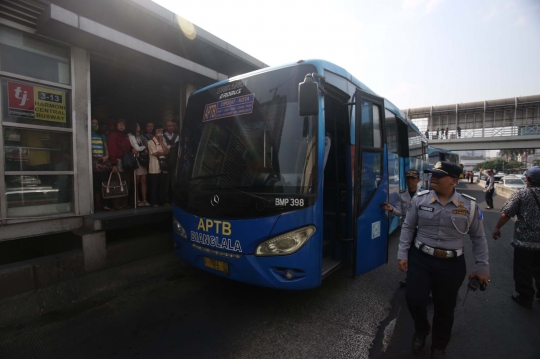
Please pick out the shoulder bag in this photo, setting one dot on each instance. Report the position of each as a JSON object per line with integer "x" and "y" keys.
{"x": 129, "y": 162}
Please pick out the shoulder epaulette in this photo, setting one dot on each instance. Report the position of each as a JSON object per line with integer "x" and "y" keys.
{"x": 421, "y": 193}
{"x": 467, "y": 196}
{"x": 403, "y": 191}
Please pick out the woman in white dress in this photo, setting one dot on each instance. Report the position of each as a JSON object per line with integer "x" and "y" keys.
{"x": 137, "y": 143}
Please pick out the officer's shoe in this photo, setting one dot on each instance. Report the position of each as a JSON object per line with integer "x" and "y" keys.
{"x": 403, "y": 284}
{"x": 521, "y": 301}
{"x": 418, "y": 341}
{"x": 437, "y": 353}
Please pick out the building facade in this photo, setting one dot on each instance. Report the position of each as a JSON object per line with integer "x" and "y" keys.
{"x": 65, "y": 62}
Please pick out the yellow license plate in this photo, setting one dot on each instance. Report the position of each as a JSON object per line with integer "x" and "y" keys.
{"x": 217, "y": 265}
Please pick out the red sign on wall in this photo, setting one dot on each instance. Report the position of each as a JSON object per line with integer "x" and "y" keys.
{"x": 20, "y": 100}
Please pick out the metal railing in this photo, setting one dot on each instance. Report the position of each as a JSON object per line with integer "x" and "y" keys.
{"x": 487, "y": 132}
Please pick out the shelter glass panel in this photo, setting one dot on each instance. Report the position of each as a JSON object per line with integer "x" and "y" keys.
{"x": 38, "y": 195}
{"x": 37, "y": 150}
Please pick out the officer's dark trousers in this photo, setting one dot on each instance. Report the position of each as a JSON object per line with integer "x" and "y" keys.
{"x": 489, "y": 198}
{"x": 441, "y": 277}
{"x": 526, "y": 267}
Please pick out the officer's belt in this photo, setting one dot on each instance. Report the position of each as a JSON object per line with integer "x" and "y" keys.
{"x": 436, "y": 252}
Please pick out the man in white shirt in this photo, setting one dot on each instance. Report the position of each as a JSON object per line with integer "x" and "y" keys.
{"x": 171, "y": 138}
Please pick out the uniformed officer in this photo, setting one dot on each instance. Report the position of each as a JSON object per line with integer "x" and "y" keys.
{"x": 435, "y": 262}
{"x": 412, "y": 178}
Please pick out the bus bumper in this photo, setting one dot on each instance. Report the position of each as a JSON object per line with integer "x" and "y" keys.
{"x": 283, "y": 272}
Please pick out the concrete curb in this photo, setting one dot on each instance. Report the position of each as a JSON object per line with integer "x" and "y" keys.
{"x": 37, "y": 302}
{"x": 500, "y": 190}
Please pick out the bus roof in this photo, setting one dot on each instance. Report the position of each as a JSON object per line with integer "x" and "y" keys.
{"x": 321, "y": 66}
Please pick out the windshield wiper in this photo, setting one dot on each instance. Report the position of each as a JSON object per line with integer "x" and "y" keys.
{"x": 246, "y": 193}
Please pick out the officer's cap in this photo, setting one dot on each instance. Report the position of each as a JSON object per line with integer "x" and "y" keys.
{"x": 445, "y": 168}
{"x": 533, "y": 173}
{"x": 412, "y": 173}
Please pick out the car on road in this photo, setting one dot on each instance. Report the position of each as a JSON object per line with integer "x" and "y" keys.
{"x": 497, "y": 178}
{"x": 513, "y": 182}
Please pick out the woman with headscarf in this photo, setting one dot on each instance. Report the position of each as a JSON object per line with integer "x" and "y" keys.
{"x": 118, "y": 142}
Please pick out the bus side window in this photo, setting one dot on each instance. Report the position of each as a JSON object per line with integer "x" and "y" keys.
{"x": 370, "y": 131}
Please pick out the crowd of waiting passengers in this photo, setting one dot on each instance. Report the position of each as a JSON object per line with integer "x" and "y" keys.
{"x": 140, "y": 157}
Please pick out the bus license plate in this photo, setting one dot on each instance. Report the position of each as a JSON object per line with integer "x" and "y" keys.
{"x": 217, "y": 265}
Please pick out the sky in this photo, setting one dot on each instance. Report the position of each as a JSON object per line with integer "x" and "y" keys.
{"x": 413, "y": 52}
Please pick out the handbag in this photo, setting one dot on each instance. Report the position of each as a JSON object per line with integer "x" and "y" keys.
{"x": 129, "y": 162}
{"x": 163, "y": 164}
{"x": 114, "y": 189}
{"x": 143, "y": 158}
{"x": 99, "y": 166}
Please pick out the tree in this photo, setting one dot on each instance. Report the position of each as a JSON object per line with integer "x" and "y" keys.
{"x": 509, "y": 153}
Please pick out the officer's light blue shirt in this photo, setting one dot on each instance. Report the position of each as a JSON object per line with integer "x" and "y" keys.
{"x": 439, "y": 226}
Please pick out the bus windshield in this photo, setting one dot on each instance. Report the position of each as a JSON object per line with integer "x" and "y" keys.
{"x": 247, "y": 137}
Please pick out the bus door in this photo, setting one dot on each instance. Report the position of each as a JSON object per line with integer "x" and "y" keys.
{"x": 370, "y": 184}
{"x": 336, "y": 212}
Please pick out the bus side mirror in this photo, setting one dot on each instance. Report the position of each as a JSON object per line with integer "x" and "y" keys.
{"x": 308, "y": 97}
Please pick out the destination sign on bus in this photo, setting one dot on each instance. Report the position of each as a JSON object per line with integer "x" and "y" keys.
{"x": 237, "y": 106}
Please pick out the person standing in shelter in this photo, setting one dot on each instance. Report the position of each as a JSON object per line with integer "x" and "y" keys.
{"x": 437, "y": 133}
{"x": 459, "y": 132}
{"x": 118, "y": 142}
{"x": 525, "y": 205}
{"x": 146, "y": 136}
{"x": 434, "y": 261}
{"x": 134, "y": 134}
{"x": 148, "y": 133}
{"x": 100, "y": 165}
{"x": 158, "y": 150}
{"x": 399, "y": 209}
{"x": 447, "y": 133}
{"x": 427, "y": 133}
{"x": 490, "y": 189}
{"x": 172, "y": 139}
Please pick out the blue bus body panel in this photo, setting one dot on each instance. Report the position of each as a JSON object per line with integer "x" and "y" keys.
{"x": 265, "y": 271}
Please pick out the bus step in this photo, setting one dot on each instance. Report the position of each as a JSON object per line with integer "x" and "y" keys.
{"x": 329, "y": 265}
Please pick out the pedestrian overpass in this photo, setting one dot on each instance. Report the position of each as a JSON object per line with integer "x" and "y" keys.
{"x": 483, "y": 125}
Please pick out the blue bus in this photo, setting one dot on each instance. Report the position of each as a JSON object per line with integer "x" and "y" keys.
{"x": 282, "y": 172}
{"x": 440, "y": 154}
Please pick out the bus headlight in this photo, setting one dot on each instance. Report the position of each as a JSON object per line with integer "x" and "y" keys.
{"x": 286, "y": 243}
{"x": 178, "y": 229}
